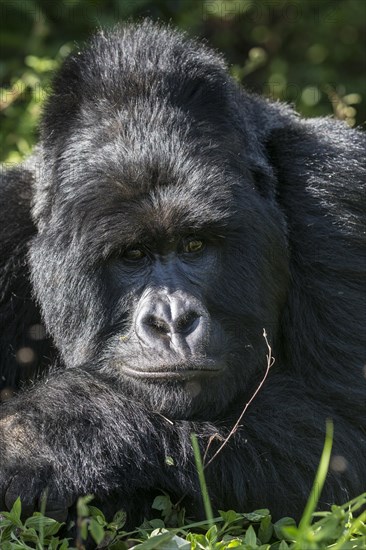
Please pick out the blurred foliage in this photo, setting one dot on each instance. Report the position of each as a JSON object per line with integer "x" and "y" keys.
{"x": 341, "y": 528}
{"x": 307, "y": 52}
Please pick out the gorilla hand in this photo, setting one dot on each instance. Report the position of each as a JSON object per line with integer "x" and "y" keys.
{"x": 107, "y": 439}
{"x": 28, "y": 469}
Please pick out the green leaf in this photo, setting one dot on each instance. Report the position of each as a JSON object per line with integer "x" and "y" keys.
{"x": 162, "y": 503}
{"x": 5, "y": 521}
{"x": 211, "y": 534}
{"x": 119, "y": 520}
{"x": 96, "y": 530}
{"x": 250, "y": 537}
{"x": 84, "y": 530}
{"x": 197, "y": 540}
{"x": 230, "y": 516}
{"x": 257, "y": 515}
{"x": 280, "y": 524}
{"x": 82, "y": 506}
{"x": 176, "y": 542}
{"x": 154, "y": 542}
{"x": 157, "y": 523}
{"x": 29, "y": 535}
{"x": 290, "y": 532}
{"x": 96, "y": 513}
{"x": 15, "y": 512}
{"x": 38, "y": 522}
{"x": 265, "y": 530}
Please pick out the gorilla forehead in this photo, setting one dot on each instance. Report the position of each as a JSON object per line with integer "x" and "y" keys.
{"x": 137, "y": 200}
{"x": 164, "y": 213}
{"x": 135, "y": 180}
{"x": 151, "y": 141}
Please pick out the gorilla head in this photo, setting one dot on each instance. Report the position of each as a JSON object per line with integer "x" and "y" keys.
{"x": 160, "y": 254}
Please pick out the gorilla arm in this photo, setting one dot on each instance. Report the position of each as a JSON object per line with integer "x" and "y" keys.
{"x": 74, "y": 434}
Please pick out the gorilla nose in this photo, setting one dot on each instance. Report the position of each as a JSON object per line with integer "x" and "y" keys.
{"x": 165, "y": 326}
{"x": 171, "y": 321}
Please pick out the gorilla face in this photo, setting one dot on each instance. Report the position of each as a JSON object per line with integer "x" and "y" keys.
{"x": 153, "y": 274}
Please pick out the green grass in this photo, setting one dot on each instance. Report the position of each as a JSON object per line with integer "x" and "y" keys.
{"x": 337, "y": 529}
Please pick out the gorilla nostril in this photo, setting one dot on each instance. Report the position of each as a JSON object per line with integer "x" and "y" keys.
{"x": 187, "y": 322}
{"x": 158, "y": 325}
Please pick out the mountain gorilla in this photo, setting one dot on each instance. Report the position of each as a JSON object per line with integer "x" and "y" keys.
{"x": 166, "y": 218}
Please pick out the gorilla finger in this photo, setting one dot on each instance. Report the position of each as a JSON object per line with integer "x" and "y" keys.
{"x": 2, "y": 497}
{"x": 56, "y": 506}
{"x": 58, "y": 514}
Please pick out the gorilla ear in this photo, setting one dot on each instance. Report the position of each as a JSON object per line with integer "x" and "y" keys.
{"x": 318, "y": 160}
{"x": 262, "y": 123}
{"x": 265, "y": 181}
{"x": 317, "y": 157}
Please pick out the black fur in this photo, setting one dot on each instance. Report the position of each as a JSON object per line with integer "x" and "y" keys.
{"x": 146, "y": 139}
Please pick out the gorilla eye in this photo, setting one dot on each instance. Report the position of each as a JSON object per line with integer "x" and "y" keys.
{"x": 133, "y": 254}
{"x": 193, "y": 245}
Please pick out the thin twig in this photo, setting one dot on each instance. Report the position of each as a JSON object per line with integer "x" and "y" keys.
{"x": 270, "y": 361}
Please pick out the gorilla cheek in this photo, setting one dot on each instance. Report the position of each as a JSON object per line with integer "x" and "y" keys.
{"x": 70, "y": 300}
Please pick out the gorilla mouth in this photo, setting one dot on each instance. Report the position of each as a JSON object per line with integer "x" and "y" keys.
{"x": 176, "y": 372}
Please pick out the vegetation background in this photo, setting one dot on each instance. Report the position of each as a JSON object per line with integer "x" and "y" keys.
{"x": 307, "y": 52}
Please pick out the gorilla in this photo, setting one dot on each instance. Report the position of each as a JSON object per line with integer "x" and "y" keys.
{"x": 165, "y": 219}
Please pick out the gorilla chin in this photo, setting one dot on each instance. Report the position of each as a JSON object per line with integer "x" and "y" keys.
{"x": 178, "y": 389}
{"x": 183, "y": 399}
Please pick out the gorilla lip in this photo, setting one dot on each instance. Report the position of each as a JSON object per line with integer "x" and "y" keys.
{"x": 179, "y": 374}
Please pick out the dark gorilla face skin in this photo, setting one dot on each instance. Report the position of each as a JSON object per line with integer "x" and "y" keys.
{"x": 149, "y": 258}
